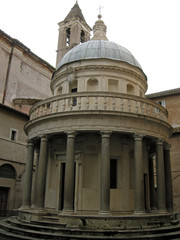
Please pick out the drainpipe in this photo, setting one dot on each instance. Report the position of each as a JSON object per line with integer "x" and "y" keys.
{"x": 7, "y": 73}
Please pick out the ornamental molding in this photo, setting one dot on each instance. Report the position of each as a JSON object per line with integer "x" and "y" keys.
{"x": 72, "y": 72}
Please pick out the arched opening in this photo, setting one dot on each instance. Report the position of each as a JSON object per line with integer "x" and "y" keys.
{"x": 130, "y": 89}
{"x": 68, "y": 34}
{"x": 92, "y": 84}
{"x": 82, "y": 39}
{"x": 7, "y": 171}
{"x": 59, "y": 91}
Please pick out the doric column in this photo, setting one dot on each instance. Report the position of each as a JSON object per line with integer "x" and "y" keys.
{"x": 151, "y": 183}
{"x": 28, "y": 176}
{"x": 105, "y": 174}
{"x": 161, "y": 194}
{"x": 138, "y": 175}
{"x": 69, "y": 174}
{"x": 42, "y": 168}
{"x": 168, "y": 178}
{"x": 34, "y": 189}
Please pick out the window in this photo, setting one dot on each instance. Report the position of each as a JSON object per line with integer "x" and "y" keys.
{"x": 113, "y": 173}
{"x": 68, "y": 33}
{"x": 13, "y": 134}
{"x": 74, "y": 90}
{"x": 82, "y": 40}
{"x": 162, "y": 103}
{"x": 130, "y": 89}
{"x": 7, "y": 171}
{"x": 92, "y": 84}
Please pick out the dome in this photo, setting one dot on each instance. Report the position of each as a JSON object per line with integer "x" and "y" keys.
{"x": 98, "y": 49}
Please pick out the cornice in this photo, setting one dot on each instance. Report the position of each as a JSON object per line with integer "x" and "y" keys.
{"x": 60, "y": 74}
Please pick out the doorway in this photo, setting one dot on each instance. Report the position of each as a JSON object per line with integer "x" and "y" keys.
{"x": 62, "y": 180}
{"x": 146, "y": 197}
{"x": 3, "y": 201}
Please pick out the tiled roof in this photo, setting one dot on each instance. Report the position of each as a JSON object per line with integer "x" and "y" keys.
{"x": 13, "y": 110}
{"x": 75, "y": 12}
{"x": 174, "y": 91}
{"x": 176, "y": 130}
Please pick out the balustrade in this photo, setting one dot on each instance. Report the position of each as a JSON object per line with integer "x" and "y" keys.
{"x": 98, "y": 101}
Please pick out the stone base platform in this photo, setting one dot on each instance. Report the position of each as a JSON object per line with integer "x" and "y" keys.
{"x": 38, "y": 225}
{"x": 104, "y": 221}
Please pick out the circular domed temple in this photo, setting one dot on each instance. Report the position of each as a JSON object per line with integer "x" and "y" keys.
{"x": 99, "y": 146}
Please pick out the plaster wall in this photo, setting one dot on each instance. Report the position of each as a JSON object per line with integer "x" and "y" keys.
{"x": 27, "y": 77}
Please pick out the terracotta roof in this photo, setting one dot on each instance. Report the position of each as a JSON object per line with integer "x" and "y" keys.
{"x": 174, "y": 91}
{"x": 25, "y": 49}
{"x": 75, "y": 12}
{"x": 176, "y": 130}
{"x": 13, "y": 110}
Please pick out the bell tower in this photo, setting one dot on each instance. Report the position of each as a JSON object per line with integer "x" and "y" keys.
{"x": 72, "y": 31}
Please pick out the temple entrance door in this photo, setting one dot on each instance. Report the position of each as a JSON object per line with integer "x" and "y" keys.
{"x": 146, "y": 202}
{"x": 62, "y": 179}
{"x": 62, "y": 182}
{"x": 3, "y": 201}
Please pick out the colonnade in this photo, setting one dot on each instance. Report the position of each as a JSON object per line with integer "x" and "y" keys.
{"x": 163, "y": 175}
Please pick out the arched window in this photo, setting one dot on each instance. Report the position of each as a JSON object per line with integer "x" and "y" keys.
{"x": 7, "y": 171}
{"x": 82, "y": 39}
{"x": 92, "y": 84}
{"x": 130, "y": 89}
{"x": 59, "y": 91}
{"x": 68, "y": 34}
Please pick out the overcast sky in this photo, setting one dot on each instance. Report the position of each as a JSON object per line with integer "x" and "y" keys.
{"x": 149, "y": 29}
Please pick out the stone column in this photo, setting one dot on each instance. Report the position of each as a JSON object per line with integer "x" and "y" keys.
{"x": 28, "y": 176}
{"x": 42, "y": 168}
{"x": 34, "y": 193}
{"x": 168, "y": 178}
{"x": 161, "y": 192}
{"x": 69, "y": 174}
{"x": 105, "y": 174}
{"x": 151, "y": 183}
{"x": 138, "y": 175}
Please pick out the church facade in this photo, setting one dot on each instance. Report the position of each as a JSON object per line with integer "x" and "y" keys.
{"x": 101, "y": 147}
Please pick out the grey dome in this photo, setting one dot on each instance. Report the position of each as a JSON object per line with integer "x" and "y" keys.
{"x": 96, "y": 49}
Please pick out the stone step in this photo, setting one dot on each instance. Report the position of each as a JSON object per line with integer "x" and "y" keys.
{"x": 6, "y": 235}
{"x": 26, "y": 231}
{"x": 35, "y": 225}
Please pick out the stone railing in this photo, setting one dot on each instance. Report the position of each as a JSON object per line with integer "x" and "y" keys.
{"x": 98, "y": 101}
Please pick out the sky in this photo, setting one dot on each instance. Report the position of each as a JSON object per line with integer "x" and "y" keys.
{"x": 149, "y": 29}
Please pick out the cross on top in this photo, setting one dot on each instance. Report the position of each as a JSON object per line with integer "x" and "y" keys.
{"x": 99, "y": 9}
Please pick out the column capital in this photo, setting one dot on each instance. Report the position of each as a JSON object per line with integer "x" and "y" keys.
{"x": 30, "y": 142}
{"x": 71, "y": 134}
{"x": 159, "y": 142}
{"x": 106, "y": 134}
{"x": 44, "y": 138}
{"x": 138, "y": 137}
{"x": 167, "y": 146}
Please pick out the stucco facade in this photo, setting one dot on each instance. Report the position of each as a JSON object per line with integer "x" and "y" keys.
{"x": 12, "y": 159}
{"x": 24, "y": 80}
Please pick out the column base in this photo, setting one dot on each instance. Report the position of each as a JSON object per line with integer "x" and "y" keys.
{"x": 66, "y": 212}
{"x": 162, "y": 211}
{"x": 105, "y": 213}
{"x": 140, "y": 212}
{"x": 24, "y": 208}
